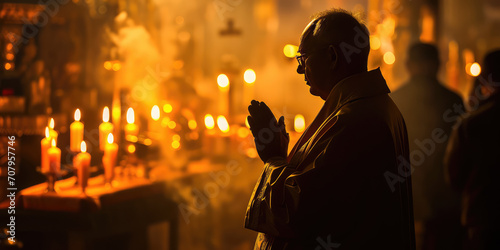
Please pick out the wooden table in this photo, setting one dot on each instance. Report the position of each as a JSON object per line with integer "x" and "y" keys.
{"x": 104, "y": 218}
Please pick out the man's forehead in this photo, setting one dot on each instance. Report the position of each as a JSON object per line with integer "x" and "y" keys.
{"x": 306, "y": 36}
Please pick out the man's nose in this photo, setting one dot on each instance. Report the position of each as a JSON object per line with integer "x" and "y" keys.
{"x": 300, "y": 69}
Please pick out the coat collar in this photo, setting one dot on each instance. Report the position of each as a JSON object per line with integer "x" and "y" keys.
{"x": 352, "y": 88}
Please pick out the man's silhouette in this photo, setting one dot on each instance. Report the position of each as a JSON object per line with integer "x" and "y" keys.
{"x": 346, "y": 183}
{"x": 473, "y": 162}
{"x": 424, "y": 102}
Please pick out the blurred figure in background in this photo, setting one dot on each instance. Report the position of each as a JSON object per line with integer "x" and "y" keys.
{"x": 423, "y": 101}
{"x": 473, "y": 161}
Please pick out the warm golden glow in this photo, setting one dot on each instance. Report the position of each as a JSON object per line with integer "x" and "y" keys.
{"x": 108, "y": 65}
{"x": 223, "y": 81}
{"x": 130, "y": 116}
{"x": 117, "y": 66}
{"x": 53, "y": 143}
{"x": 475, "y": 69}
{"x": 290, "y": 51}
{"x": 249, "y": 76}
{"x": 78, "y": 115}
{"x": 155, "y": 113}
{"x": 192, "y": 124}
{"x": 9, "y": 56}
{"x": 252, "y": 153}
{"x": 148, "y": 142}
{"x": 222, "y": 124}
{"x": 209, "y": 121}
{"x": 178, "y": 64}
{"x": 9, "y": 46}
{"x": 164, "y": 122}
{"x": 243, "y": 132}
{"x": 47, "y": 132}
{"x": 171, "y": 124}
{"x": 51, "y": 123}
{"x": 167, "y": 108}
{"x": 131, "y": 148}
{"x": 110, "y": 138}
{"x": 176, "y": 144}
{"x": 389, "y": 58}
{"x": 375, "y": 43}
{"x": 105, "y": 114}
{"x": 176, "y": 137}
{"x": 8, "y": 66}
{"x": 299, "y": 123}
{"x": 83, "y": 146}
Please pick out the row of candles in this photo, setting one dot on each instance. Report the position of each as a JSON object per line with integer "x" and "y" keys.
{"x": 51, "y": 154}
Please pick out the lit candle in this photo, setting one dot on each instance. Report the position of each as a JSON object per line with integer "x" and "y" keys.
{"x": 45, "y": 165}
{"x": 109, "y": 158}
{"x": 131, "y": 130}
{"x": 76, "y": 132}
{"x": 53, "y": 133}
{"x": 104, "y": 129}
{"x": 82, "y": 163}
{"x": 54, "y": 154}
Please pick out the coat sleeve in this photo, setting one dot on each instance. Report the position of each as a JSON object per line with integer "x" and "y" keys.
{"x": 287, "y": 202}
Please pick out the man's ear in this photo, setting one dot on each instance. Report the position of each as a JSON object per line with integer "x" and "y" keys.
{"x": 332, "y": 53}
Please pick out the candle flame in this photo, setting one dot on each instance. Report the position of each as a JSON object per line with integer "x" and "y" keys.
{"x": 155, "y": 113}
{"x": 51, "y": 123}
{"x": 130, "y": 116}
{"x": 47, "y": 132}
{"x": 105, "y": 114}
{"x": 110, "y": 138}
{"x": 78, "y": 115}
{"x": 475, "y": 69}
{"x": 83, "y": 146}
{"x": 299, "y": 123}
{"x": 223, "y": 81}
{"x": 53, "y": 143}
{"x": 209, "y": 121}
{"x": 222, "y": 124}
{"x": 249, "y": 76}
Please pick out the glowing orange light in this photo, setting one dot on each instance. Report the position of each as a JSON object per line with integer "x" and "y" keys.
{"x": 53, "y": 143}
{"x": 209, "y": 121}
{"x": 117, "y": 66}
{"x": 105, "y": 114}
{"x": 155, "y": 113}
{"x": 222, "y": 124}
{"x": 243, "y": 132}
{"x": 299, "y": 123}
{"x": 111, "y": 138}
{"x": 131, "y": 148}
{"x": 192, "y": 124}
{"x": 78, "y": 115}
{"x": 171, "y": 124}
{"x": 223, "y": 82}
{"x": 475, "y": 69}
{"x": 47, "y": 132}
{"x": 130, "y": 116}
{"x": 148, "y": 142}
{"x": 176, "y": 144}
{"x": 249, "y": 76}
{"x": 8, "y": 66}
{"x": 9, "y": 46}
{"x": 167, "y": 108}
{"x": 51, "y": 123}
{"x": 178, "y": 64}
{"x": 290, "y": 50}
{"x": 176, "y": 137}
{"x": 9, "y": 56}
{"x": 389, "y": 58}
{"x": 83, "y": 146}
{"x": 108, "y": 65}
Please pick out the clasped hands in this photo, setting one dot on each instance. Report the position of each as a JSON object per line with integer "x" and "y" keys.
{"x": 270, "y": 136}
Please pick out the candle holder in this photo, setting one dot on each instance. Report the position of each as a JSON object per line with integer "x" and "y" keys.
{"x": 51, "y": 181}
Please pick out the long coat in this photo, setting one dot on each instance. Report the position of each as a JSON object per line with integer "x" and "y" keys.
{"x": 347, "y": 182}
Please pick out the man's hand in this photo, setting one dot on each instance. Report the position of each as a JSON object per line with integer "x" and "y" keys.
{"x": 271, "y": 138}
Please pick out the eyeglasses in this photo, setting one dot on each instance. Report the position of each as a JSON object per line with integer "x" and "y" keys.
{"x": 301, "y": 59}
